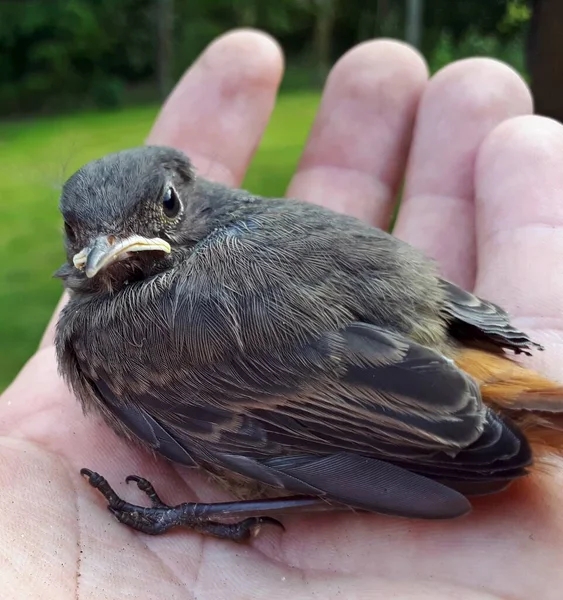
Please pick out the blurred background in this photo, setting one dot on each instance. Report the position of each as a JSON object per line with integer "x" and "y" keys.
{"x": 80, "y": 78}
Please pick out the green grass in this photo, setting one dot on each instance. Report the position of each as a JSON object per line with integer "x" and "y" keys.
{"x": 36, "y": 157}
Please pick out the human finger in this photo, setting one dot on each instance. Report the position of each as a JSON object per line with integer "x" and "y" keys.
{"x": 460, "y": 106}
{"x": 519, "y": 185}
{"x": 356, "y": 151}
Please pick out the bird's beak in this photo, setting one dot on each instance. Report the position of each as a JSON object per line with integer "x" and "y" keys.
{"x": 108, "y": 249}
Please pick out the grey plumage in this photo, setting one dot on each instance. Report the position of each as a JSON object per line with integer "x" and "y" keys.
{"x": 280, "y": 342}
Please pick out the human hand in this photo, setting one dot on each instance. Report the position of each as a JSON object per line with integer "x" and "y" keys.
{"x": 482, "y": 197}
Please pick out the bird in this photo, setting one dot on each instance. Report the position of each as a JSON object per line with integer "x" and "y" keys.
{"x": 303, "y": 358}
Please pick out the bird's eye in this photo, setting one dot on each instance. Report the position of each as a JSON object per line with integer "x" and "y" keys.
{"x": 69, "y": 231}
{"x": 171, "y": 203}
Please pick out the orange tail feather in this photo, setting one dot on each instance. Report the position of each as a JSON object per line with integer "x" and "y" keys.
{"x": 532, "y": 401}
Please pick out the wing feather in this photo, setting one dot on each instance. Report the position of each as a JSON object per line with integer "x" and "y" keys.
{"x": 365, "y": 417}
{"x": 480, "y": 321}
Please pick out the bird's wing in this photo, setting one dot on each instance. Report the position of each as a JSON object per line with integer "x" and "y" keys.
{"x": 479, "y": 321}
{"x": 361, "y": 416}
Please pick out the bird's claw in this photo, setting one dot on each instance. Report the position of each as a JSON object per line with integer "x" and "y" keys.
{"x": 161, "y": 517}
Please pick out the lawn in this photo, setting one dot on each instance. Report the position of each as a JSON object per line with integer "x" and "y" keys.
{"x": 38, "y": 155}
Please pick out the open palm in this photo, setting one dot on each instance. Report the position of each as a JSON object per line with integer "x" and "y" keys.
{"x": 483, "y": 196}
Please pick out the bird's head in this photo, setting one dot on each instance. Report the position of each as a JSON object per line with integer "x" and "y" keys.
{"x": 127, "y": 216}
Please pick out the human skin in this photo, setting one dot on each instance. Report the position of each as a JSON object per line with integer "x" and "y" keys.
{"x": 483, "y": 196}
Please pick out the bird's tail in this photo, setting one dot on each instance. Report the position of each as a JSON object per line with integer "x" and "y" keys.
{"x": 532, "y": 401}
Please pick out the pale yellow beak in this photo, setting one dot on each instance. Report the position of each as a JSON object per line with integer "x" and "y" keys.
{"x": 108, "y": 249}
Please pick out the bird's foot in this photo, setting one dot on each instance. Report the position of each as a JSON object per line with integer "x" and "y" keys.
{"x": 161, "y": 517}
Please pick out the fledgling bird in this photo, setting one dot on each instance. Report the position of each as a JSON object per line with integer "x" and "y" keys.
{"x": 305, "y": 358}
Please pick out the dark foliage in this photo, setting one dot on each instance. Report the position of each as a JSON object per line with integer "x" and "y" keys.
{"x": 62, "y": 54}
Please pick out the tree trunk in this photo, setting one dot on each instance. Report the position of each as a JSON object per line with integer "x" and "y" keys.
{"x": 165, "y": 24}
{"x": 324, "y": 25}
{"x": 382, "y": 10}
{"x": 545, "y": 58}
{"x": 413, "y": 22}
{"x": 373, "y": 20}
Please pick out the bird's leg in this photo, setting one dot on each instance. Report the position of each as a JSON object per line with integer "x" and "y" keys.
{"x": 161, "y": 517}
